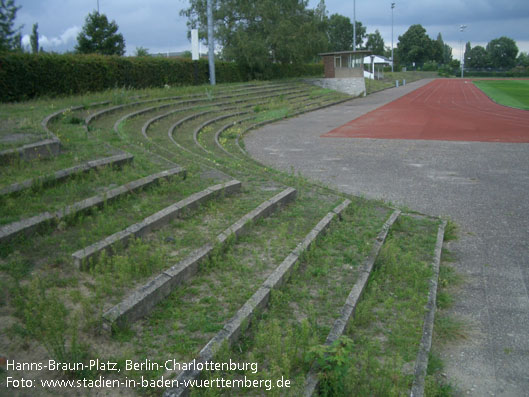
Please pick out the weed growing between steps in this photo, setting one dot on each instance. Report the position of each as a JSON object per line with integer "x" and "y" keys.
{"x": 186, "y": 320}
{"x": 53, "y": 310}
{"x": 301, "y": 313}
{"x": 76, "y": 148}
{"x": 377, "y": 354}
{"x": 448, "y": 329}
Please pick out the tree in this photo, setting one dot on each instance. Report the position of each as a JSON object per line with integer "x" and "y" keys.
{"x": 339, "y": 33}
{"x": 141, "y": 52}
{"x": 447, "y": 54}
{"x": 455, "y": 64}
{"x": 446, "y": 50}
{"x": 34, "y": 39}
{"x": 321, "y": 21}
{"x": 466, "y": 55}
{"x": 387, "y": 51}
{"x": 100, "y": 36}
{"x": 414, "y": 46}
{"x": 523, "y": 59}
{"x": 477, "y": 58}
{"x": 502, "y": 52}
{"x": 17, "y": 43}
{"x": 255, "y": 33}
{"x": 375, "y": 43}
{"x": 321, "y": 11}
{"x": 186, "y": 55}
{"x": 360, "y": 34}
{"x": 436, "y": 50}
{"x": 9, "y": 36}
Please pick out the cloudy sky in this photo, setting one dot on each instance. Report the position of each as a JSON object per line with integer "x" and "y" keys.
{"x": 157, "y": 25}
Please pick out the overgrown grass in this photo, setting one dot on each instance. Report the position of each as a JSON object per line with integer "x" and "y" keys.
{"x": 38, "y": 199}
{"x": 377, "y": 354}
{"x": 302, "y": 312}
{"x": 77, "y": 148}
{"x": 51, "y": 304}
{"x": 230, "y": 277}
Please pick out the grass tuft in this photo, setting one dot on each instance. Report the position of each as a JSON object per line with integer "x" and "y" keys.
{"x": 451, "y": 231}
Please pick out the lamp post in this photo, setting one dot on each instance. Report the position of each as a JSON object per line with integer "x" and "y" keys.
{"x": 354, "y": 25}
{"x": 392, "y": 59}
{"x": 211, "y": 45}
{"x": 462, "y": 29}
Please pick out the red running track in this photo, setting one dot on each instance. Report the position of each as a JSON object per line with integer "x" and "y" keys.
{"x": 446, "y": 110}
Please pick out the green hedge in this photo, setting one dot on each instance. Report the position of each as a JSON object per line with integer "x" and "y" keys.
{"x": 26, "y": 76}
{"x": 516, "y": 72}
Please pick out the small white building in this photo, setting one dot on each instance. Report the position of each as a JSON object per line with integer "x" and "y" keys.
{"x": 374, "y": 65}
{"x": 379, "y": 61}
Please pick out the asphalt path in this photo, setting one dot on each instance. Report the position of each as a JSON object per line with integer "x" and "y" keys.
{"x": 483, "y": 187}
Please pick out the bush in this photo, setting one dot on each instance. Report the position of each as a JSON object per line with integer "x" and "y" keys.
{"x": 26, "y": 76}
{"x": 520, "y": 71}
{"x": 430, "y": 66}
{"x": 396, "y": 68}
{"x": 447, "y": 71}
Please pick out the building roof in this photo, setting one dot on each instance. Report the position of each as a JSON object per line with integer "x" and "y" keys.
{"x": 377, "y": 59}
{"x": 360, "y": 52}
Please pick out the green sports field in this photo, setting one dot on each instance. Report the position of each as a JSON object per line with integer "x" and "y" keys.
{"x": 514, "y": 93}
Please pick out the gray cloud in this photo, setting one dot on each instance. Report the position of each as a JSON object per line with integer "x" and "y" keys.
{"x": 67, "y": 38}
{"x": 485, "y": 19}
{"x": 157, "y": 25}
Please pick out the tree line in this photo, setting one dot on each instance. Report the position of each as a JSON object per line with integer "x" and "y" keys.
{"x": 283, "y": 31}
{"x": 415, "y": 47}
{"x": 257, "y": 33}
{"x": 500, "y": 53}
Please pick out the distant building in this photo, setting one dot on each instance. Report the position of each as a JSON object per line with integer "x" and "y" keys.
{"x": 344, "y": 72}
{"x": 180, "y": 54}
{"x": 375, "y": 70}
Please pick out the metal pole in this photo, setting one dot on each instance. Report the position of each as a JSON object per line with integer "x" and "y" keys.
{"x": 462, "y": 29}
{"x": 354, "y": 25}
{"x": 211, "y": 44}
{"x": 461, "y": 56}
{"x": 392, "y": 59}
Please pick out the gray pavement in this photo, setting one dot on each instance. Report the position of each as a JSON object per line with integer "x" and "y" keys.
{"x": 483, "y": 187}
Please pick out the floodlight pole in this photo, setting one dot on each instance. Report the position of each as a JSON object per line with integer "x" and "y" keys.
{"x": 211, "y": 44}
{"x": 462, "y": 29}
{"x": 392, "y": 60}
{"x": 354, "y": 25}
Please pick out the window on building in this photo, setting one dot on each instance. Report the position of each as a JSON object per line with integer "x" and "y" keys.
{"x": 357, "y": 61}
